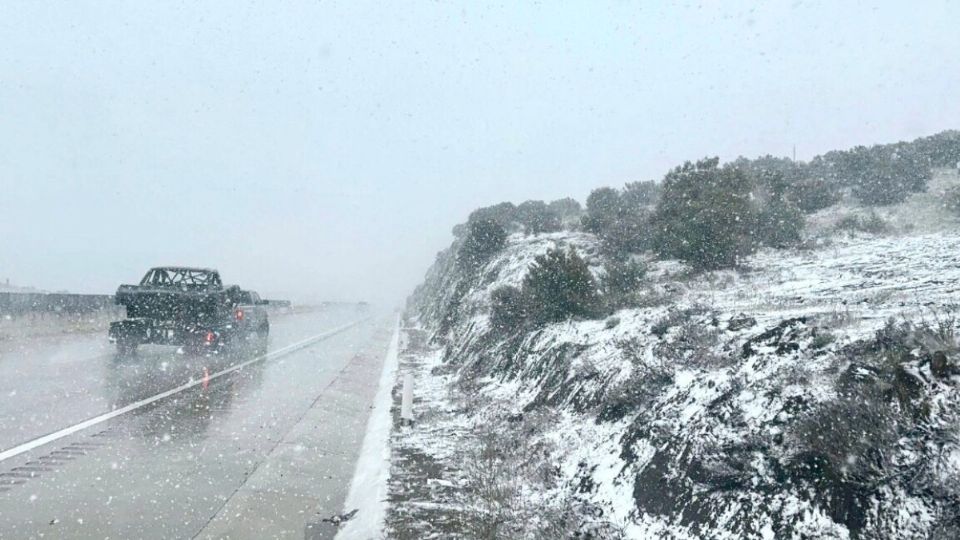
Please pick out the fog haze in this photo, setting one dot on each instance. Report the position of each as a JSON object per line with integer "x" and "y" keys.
{"x": 327, "y": 149}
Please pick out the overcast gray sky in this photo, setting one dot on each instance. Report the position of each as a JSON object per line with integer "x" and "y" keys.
{"x": 329, "y": 147}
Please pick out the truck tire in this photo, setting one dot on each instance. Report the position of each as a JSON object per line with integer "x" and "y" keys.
{"x": 260, "y": 338}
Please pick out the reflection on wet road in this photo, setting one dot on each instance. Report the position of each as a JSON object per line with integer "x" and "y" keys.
{"x": 177, "y": 466}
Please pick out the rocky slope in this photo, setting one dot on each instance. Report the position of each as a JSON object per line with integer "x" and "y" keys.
{"x": 811, "y": 394}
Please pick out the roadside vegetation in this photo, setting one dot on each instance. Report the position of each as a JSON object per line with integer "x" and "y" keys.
{"x": 601, "y": 317}
{"x": 709, "y": 215}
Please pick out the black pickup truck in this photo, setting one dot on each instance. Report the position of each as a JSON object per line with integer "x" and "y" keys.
{"x": 188, "y": 307}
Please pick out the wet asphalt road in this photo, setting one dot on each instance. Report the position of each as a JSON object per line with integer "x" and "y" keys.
{"x": 265, "y": 451}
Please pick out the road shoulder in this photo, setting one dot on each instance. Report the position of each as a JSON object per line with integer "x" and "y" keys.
{"x": 366, "y": 503}
{"x": 305, "y": 477}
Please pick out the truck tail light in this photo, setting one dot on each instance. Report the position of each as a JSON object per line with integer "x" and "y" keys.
{"x": 238, "y": 314}
{"x": 210, "y": 337}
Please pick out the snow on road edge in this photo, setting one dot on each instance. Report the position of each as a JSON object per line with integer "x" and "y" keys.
{"x": 368, "y": 489}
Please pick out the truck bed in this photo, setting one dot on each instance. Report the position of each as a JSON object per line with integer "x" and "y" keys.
{"x": 171, "y": 304}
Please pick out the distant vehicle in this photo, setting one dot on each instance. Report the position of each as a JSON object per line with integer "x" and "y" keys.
{"x": 188, "y": 307}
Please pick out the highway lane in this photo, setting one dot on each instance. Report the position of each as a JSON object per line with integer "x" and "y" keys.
{"x": 263, "y": 451}
{"x": 48, "y": 383}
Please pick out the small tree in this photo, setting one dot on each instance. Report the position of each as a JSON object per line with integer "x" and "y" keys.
{"x": 780, "y": 224}
{"x": 536, "y": 217}
{"x": 811, "y": 195}
{"x": 503, "y": 214}
{"x": 951, "y": 200}
{"x": 888, "y": 176}
{"x": 559, "y": 286}
{"x": 705, "y": 216}
{"x": 603, "y": 209}
{"x": 620, "y": 219}
{"x": 567, "y": 210}
{"x": 941, "y": 150}
{"x": 508, "y": 309}
{"x": 620, "y": 281}
{"x": 637, "y": 195}
{"x": 485, "y": 238}
{"x": 878, "y": 175}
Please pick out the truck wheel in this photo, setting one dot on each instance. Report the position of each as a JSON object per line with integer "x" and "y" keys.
{"x": 263, "y": 332}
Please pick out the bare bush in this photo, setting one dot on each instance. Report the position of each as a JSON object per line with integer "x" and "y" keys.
{"x": 822, "y": 339}
{"x": 940, "y": 333}
{"x": 510, "y": 483}
{"x": 840, "y": 316}
{"x": 871, "y": 223}
{"x": 648, "y": 376}
{"x": 690, "y": 338}
{"x": 675, "y": 317}
{"x": 850, "y": 439}
{"x": 850, "y": 447}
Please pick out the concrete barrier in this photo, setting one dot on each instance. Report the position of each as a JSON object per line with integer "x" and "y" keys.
{"x": 18, "y": 304}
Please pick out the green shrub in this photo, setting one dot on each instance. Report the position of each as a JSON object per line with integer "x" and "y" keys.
{"x": 559, "y": 286}
{"x": 508, "y": 309}
{"x": 790, "y": 180}
{"x": 879, "y": 175}
{"x": 536, "y": 217}
{"x": 952, "y": 200}
{"x": 484, "y": 239}
{"x": 847, "y": 447}
{"x": 941, "y": 149}
{"x": 890, "y": 177}
{"x": 811, "y": 195}
{"x": 532, "y": 217}
{"x": 620, "y": 282}
{"x": 620, "y": 219}
{"x": 705, "y": 216}
{"x": 780, "y": 224}
{"x": 567, "y": 210}
{"x": 603, "y": 209}
{"x": 503, "y": 214}
{"x": 637, "y": 195}
{"x": 870, "y": 223}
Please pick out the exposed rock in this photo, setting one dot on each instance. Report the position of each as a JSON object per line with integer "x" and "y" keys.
{"x": 340, "y": 519}
{"x": 940, "y": 365}
{"x": 741, "y": 322}
{"x": 782, "y": 337}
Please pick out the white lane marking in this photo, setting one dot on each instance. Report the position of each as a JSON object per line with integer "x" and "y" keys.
{"x": 40, "y": 441}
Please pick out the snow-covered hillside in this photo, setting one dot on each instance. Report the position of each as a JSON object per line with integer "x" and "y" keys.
{"x": 811, "y": 394}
